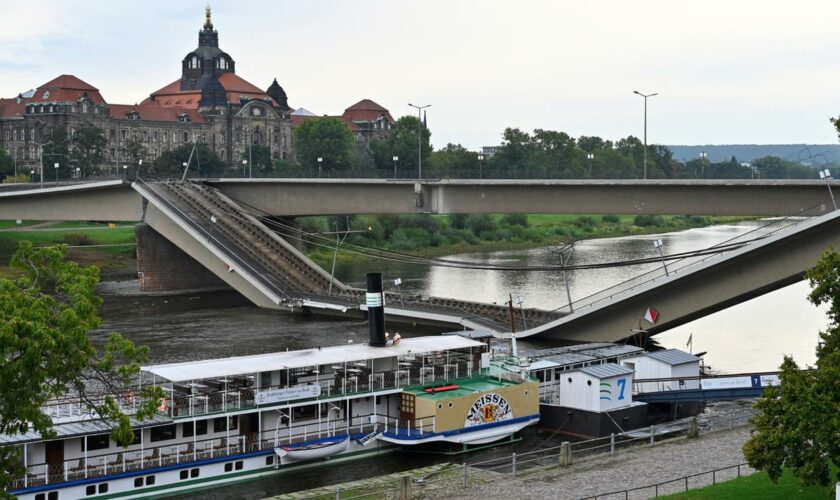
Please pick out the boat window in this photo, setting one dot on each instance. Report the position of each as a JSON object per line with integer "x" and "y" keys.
{"x": 194, "y": 472}
{"x": 228, "y": 466}
{"x": 137, "y": 434}
{"x": 269, "y": 460}
{"x": 238, "y": 465}
{"x": 90, "y": 490}
{"x": 40, "y": 496}
{"x": 53, "y": 495}
{"x": 97, "y": 442}
{"x": 163, "y": 432}
{"x": 150, "y": 480}
{"x": 541, "y": 375}
{"x": 219, "y": 424}
{"x": 138, "y": 482}
{"x": 184, "y": 474}
{"x": 200, "y": 428}
{"x": 103, "y": 488}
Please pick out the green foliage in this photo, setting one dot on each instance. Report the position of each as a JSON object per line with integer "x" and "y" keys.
{"x": 453, "y": 160}
{"x": 648, "y": 220}
{"x": 611, "y": 219}
{"x": 515, "y": 220}
{"x": 7, "y": 165}
{"x": 798, "y": 423}
{"x": 481, "y": 223}
{"x": 402, "y": 142}
{"x": 204, "y": 162}
{"x": 261, "y": 163}
{"x": 326, "y": 138}
{"x": 134, "y": 151}
{"x": 77, "y": 239}
{"x": 458, "y": 221}
{"x": 58, "y": 151}
{"x": 45, "y": 316}
{"x": 88, "y": 149}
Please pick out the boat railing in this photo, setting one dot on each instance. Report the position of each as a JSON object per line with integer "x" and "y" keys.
{"x": 129, "y": 460}
{"x": 340, "y": 383}
{"x": 69, "y": 410}
{"x": 407, "y": 427}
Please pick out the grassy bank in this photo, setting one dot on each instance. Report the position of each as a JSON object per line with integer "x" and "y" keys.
{"x": 435, "y": 235}
{"x": 758, "y": 485}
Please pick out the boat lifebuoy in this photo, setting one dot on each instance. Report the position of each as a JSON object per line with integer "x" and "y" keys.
{"x": 163, "y": 407}
{"x": 397, "y": 339}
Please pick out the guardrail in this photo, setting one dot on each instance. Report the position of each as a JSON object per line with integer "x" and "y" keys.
{"x": 678, "y": 485}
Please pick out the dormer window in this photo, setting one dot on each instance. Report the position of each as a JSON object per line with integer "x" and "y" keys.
{"x": 133, "y": 115}
{"x": 47, "y": 94}
{"x": 183, "y": 118}
{"x": 194, "y": 62}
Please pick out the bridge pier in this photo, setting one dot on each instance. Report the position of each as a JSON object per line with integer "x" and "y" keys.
{"x": 163, "y": 267}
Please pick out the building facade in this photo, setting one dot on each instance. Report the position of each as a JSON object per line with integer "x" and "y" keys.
{"x": 209, "y": 104}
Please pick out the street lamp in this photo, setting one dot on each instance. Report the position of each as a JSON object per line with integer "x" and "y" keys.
{"x": 590, "y": 157}
{"x": 419, "y": 139}
{"x": 41, "y": 146}
{"x": 396, "y": 159}
{"x": 703, "y": 159}
{"x": 826, "y": 174}
{"x": 480, "y": 161}
{"x": 32, "y": 175}
{"x": 139, "y": 165}
{"x": 645, "y": 96}
{"x": 320, "y": 161}
{"x": 55, "y": 165}
{"x": 125, "y": 172}
{"x": 244, "y": 164}
{"x": 78, "y": 173}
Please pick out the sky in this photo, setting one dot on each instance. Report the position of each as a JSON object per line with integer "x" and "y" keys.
{"x": 726, "y": 71}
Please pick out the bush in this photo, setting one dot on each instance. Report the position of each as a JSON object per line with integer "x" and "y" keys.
{"x": 585, "y": 222}
{"x": 515, "y": 220}
{"x": 480, "y": 224}
{"x": 77, "y": 239}
{"x": 697, "y": 220}
{"x": 611, "y": 219}
{"x": 457, "y": 221}
{"x": 410, "y": 239}
{"x": 648, "y": 220}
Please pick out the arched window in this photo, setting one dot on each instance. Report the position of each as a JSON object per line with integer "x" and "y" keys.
{"x": 194, "y": 62}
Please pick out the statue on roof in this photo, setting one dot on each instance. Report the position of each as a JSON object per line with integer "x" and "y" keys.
{"x": 208, "y": 23}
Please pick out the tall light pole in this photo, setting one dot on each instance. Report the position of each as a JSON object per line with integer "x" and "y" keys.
{"x": 396, "y": 159}
{"x": 480, "y": 162}
{"x": 590, "y": 156}
{"x": 704, "y": 157}
{"x": 320, "y": 161}
{"x": 419, "y": 138}
{"x": 645, "y": 96}
{"x": 41, "y": 146}
{"x": 56, "y": 173}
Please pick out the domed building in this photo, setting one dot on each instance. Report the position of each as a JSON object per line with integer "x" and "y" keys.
{"x": 208, "y": 104}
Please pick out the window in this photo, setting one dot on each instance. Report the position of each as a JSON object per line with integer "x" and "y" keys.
{"x": 194, "y": 472}
{"x": 269, "y": 460}
{"x": 90, "y": 490}
{"x": 150, "y": 480}
{"x": 53, "y": 495}
{"x": 228, "y": 466}
{"x": 238, "y": 465}
{"x": 47, "y": 94}
{"x": 97, "y": 442}
{"x": 186, "y": 137}
{"x": 112, "y": 134}
{"x": 103, "y": 488}
{"x": 163, "y": 432}
{"x": 219, "y": 424}
{"x": 138, "y": 482}
{"x": 200, "y": 428}
{"x": 155, "y": 136}
{"x": 122, "y": 135}
{"x": 32, "y": 135}
{"x": 137, "y": 436}
{"x": 40, "y": 496}
{"x": 184, "y": 474}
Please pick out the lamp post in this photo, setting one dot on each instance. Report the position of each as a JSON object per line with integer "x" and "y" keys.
{"x": 480, "y": 162}
{"x": 419, "y": 139}
{"x": 320, "y": 161}
{"x": 139, "y": 165}
{"x": 55, "y": 165}
{"x": 32, "y": 175}
{"x": 645, "y": 96}
{"x": 590, "y": 157}
{"x": 396, "y": 159}
{"x": 41, "y": 149}
{"x": 826, "y": 175}
{"x": 703, "y": 159}
{"x": 244, "y": 164}
{"x": 78, "y": 174}
{"x": 125, "y": 172}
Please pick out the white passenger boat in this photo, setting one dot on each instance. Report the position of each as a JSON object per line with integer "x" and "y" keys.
{"x": 234, "y": 419}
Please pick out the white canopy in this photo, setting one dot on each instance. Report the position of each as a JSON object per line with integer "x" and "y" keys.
{"x": 242, "y": 365}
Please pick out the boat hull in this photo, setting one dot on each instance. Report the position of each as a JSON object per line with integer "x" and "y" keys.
{"x": 315, "y": 450}
{"x": 480, "y": 434}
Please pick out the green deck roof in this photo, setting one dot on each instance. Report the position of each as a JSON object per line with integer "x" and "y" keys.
{"x": 466, "y": 386}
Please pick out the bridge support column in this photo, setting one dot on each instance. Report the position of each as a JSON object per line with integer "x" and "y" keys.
{"x": 163, "y": 267}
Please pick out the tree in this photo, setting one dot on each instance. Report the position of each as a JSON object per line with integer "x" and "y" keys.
{"x": 454, "y": 160}
{"x": 798, "y": 423}
{"x": 402, "y": 143}
{"x": 88, "y": 148}
{"x": 203, "y": 162}
{"x": 260, "y": 160}
{"x": 326, "y": 138}
{"x": 58, "y": 151}
{"x": 45, "y": 316}
{"x": 7, "y": 165}
{"x": 134, "y": 151}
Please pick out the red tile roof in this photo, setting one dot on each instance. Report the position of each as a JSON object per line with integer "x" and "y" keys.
{"x": 236, "y": 87}
{"x": 153, "y": 112}
{"x": 364, "y": 110}
{"x": 10, "y": 108}
{"x": 66, "y": 88}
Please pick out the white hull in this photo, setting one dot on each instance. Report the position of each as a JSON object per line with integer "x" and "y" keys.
{"x": 478, "y": 436}
{"x": 314, "y": 452}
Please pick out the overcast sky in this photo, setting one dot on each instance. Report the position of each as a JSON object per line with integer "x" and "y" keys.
{"x": 726, "y": 71}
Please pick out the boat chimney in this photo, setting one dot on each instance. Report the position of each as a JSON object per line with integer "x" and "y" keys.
{"x": 376, "y": 309}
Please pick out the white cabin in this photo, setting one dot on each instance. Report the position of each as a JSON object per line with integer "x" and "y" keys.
{"x": 674, "y": 369}
{"x": 596, "y": 388}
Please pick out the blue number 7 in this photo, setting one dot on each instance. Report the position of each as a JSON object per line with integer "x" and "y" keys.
{"x": 621, "y": 383}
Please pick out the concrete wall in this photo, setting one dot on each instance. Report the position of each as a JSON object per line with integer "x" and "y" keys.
{"x": 107, "y": 201}
{"x": 161, "y": 266}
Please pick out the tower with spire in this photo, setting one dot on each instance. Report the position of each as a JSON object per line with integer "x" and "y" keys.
{"x": 207, "y": 60}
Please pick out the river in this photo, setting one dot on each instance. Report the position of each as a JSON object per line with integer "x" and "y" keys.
{"x": 751, "y": 336}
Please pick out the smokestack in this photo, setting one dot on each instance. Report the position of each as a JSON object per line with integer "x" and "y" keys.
{"x": 376, "y": 309}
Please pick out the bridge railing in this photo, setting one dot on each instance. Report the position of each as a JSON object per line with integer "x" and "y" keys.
{"x": 659, "y": 272}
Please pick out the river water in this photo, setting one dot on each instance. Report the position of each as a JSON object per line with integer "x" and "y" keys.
{"x": 751, "y": 336}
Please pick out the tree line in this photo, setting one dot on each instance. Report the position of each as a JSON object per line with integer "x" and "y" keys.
{"x": 538, "y": 154}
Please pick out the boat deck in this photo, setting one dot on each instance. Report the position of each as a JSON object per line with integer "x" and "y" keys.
{"x": 465, "y": 386}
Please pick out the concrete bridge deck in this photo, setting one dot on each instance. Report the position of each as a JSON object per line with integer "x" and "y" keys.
{"x": 116, "y": 201}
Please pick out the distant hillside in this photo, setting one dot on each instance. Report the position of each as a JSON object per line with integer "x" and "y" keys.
{"x": 749, "y": 152}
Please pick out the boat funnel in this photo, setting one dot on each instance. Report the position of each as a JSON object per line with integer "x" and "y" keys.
{"x": 376, "y": 309}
